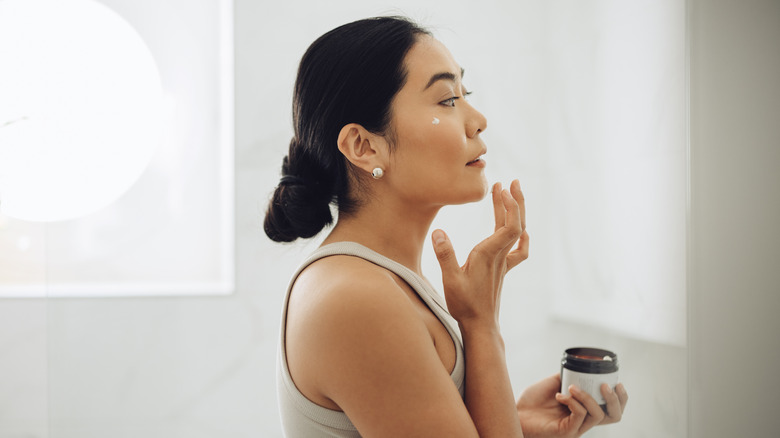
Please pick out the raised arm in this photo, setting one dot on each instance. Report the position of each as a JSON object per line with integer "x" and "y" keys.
{"x": 473, "y": 294}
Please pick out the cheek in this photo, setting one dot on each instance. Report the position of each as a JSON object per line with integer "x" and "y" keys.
{"x": 448, "y": 135}
{"x": 417, "y": 136}
{"x": 437, "y": 145}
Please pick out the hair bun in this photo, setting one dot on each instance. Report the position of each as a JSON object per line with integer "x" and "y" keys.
{"x": 300, "y": 207}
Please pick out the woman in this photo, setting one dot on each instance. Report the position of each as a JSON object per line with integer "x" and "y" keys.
{"x": 383, "y": 132}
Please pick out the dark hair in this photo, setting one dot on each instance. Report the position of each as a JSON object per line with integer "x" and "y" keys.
{"x": 348, "y": 75}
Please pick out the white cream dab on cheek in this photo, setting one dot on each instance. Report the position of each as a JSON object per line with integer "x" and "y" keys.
{"x": 435, "y": 121}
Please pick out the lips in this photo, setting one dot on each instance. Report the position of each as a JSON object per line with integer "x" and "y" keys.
{"x": 477, "y": 163}
{"x": 478, "y": 159}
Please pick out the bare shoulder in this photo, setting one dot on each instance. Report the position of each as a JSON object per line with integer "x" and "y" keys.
{"x": 340, "y": 283}
{"x": 338, "y": 298}
{"x": 337, "y": 308}
{"x": 356, "y": 343}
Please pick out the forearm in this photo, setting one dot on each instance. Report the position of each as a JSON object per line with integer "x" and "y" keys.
{"x": 489, "y": 397}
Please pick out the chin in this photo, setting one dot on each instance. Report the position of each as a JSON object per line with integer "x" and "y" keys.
{"x": 485, "y": 189}
{"x": 476, "y": 195}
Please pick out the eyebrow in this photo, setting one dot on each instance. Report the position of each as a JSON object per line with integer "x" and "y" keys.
{"x": 446, "y": 76}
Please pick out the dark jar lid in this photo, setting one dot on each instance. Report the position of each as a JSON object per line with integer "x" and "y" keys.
{"x": 590, "y": 360}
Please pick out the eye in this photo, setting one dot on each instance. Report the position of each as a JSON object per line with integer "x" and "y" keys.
{"x": 449, "y": 102}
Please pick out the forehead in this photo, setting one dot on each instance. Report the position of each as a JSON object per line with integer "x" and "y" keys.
{"x": 427, "y": 57}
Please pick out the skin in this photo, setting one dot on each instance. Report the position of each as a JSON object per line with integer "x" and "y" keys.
{"x": 362, "y": 342}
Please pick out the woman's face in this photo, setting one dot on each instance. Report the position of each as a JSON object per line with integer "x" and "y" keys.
{"x": 436, "y": 160}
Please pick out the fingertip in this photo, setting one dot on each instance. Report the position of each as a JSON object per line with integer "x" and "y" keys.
{"x": 438, "y": 237}
{"x": 496, "y": 194}
{"x": 507, "y": 196}
{"x": 516, "y": 189}
{"x": 565, "y": 400}
{"x": 621, "y": 393}
{"x": 442, "y": 247}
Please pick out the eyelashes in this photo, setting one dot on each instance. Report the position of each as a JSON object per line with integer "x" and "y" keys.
{"x": 451, "y": 101}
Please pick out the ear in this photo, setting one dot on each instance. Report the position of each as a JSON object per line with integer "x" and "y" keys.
{"x": 362, "y": 148}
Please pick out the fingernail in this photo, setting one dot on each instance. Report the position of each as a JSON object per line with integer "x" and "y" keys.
{"x": 438, "y": 237}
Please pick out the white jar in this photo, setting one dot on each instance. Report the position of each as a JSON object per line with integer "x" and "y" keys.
{"x": 589, "y": 368}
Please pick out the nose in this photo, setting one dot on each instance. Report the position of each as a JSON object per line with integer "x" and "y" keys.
{"x": 476, "y": 123}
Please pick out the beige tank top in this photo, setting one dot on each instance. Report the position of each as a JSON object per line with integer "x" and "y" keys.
{"x": 303, "y": 418}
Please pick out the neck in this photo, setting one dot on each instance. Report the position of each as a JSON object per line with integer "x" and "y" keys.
{"x": 398, "y": 232}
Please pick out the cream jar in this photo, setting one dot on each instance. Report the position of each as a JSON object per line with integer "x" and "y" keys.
{"x": 589, "y": 368}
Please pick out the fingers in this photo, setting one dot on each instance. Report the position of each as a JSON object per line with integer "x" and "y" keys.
{"x": 517, "y": 256}
{"x": 512, "y": 228}
{"x": 622, "y": 396}
{"x": 514, "y": 188}
{"x": 595, "y": 412}
{"x": 586, "y": 412}
{"x": 509, "y": 213}
{"x": 578, "y": 412}
{"x": 508, "y": 205}
{"x": 498, "y": 206}
{"x": 507, "y": 221}
{"x": 616, "y": 402}
{"x": 613, "y": 409}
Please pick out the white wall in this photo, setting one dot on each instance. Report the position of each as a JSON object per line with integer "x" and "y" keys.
{"x": 735, "y": 212}
{"x": 204, "y": 367}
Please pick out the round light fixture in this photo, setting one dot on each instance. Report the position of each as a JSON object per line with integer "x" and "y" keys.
{"x": 81, "y": 106}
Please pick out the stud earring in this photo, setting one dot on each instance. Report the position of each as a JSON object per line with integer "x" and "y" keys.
{"x": 377, "y": 172}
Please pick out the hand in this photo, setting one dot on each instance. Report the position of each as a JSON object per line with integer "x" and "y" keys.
{"x": 473, "y": 291}
{"x": 544, "y": 412}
